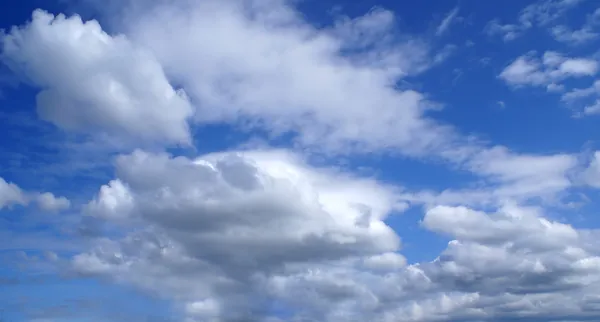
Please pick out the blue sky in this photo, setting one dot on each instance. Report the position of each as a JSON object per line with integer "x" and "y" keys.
{"x": 274, "y": 160}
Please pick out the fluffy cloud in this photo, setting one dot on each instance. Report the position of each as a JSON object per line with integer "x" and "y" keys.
{"x": 257, "y": 65}
{"x": 264, "y": 233}
{"x": 11, "y": 194}
{"x": 553, "y": 67}
{"x": 94, "y": 82}
{"x": 232, "y": 221}
{"x": 512, "y": 264}
{"x": 47, "y": 201}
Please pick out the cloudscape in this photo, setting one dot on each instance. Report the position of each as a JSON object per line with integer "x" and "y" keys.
{"x": 299, "y": 160}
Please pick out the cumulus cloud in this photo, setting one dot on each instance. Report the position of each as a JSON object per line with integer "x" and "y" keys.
{"x": 11, "y": 194}
{"x": 232, "y": 221}
{"x": 256, "y": 228}
{"x": 47, "y": 201}
{"x": 91, "y": 81}
{"x": 552, "y": 67}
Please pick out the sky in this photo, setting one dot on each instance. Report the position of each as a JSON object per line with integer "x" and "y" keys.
{"x": 299, "y": 160}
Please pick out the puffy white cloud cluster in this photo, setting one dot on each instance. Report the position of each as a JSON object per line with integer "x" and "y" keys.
{"x": 236, "y": 235}
{"x": 233, "y": 222}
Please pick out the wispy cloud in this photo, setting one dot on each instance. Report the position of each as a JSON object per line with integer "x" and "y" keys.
{"x": 447, "y": 22}
{"x": 538, "y": 14}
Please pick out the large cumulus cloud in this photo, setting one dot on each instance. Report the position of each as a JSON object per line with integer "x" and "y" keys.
{"x": 250, "y": 235}
{"x": 233, "y": 221}
{"x": 93, "y": 82}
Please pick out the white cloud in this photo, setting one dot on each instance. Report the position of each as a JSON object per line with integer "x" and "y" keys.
{"x": 506, "y": 176}
{"x": 574, "y": 37}
{"x": 447, "y": 22}
{"x": 592, "y": 109}
{"x": 266, "y": 67}
{"x": 581, "y": 93}
{"x": 591, "y": 175}
{"x": 231, "y": 220}
{"x": 260, "y": 227}
{"x": 92, "y": 81}
{"x": 263, "y": 228}
{"x": 525, "y": 175}
{"x": 541, "y": 13}
{"x": 544, "y": 12}
{"x": 11, "y": 194}
{"x": 48, "y": 202}
{"x": 586, "y": 100}
{"x": 552, "y": 68}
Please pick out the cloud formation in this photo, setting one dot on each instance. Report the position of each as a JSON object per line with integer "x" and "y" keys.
{"x": 93, "y": 82}
{"x": 268, "y": 235}
{"x": 232, "y": 222}
{"x": 540, "y": 14}
{"x": 256, "y": 228}
{"x": 547, "y": 71}
{"x": 11, "y": 195}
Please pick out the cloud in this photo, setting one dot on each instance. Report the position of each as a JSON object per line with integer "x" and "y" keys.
{"x": 506, "y": 175}
{"x": 553, "y": 67}
{"x": 591, "y": 175}
{"x": 592, "y": 109}
{"x": 525, "y": 175}
{"x": 48, "y": 202}
{"x": 586, "y": 100}
{"x": 447, "y": 22}
{"x": 242, "y": 64}
{"x": 233, "y": 220}
{"x": 263, "y": 235}
{"x": 578, "y": 36}
{"x": 11, "y": 194}
{"x": 508, "y": 31}
{"x": 538, "y": 14}
{"x": 91, "y": 81}
{"x": 261, "y": 227}
{"x": 574, "y": 37}
{"x": 545, "y": 12}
